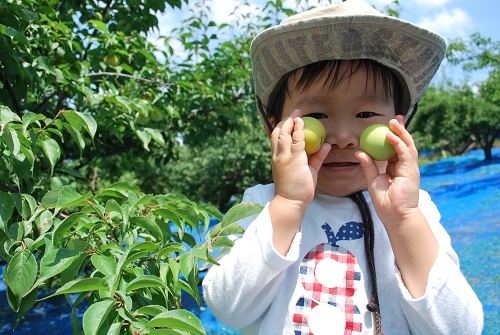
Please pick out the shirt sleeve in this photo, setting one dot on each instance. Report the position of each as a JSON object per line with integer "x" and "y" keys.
{"x": 449, "y": 305}
{"x": 242, "y": 287}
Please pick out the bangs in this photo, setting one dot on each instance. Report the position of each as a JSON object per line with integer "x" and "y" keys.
{"x": 329, "y": 72}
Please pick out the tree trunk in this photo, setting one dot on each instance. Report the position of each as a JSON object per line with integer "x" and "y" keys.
{"x": 487, "y": 152}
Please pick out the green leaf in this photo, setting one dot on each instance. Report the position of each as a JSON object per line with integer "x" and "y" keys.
{"x": 99, "y": 25}
{"x": 230, "y": 229}
{"x": 79, "y": 120}
{"x": 29, "y": 118}
{"x": 45, "y": 221}
{"x": 52, "y": 151}
{"x": 16, "y": 35}
{"x": 65, "y": 197}
{"x": 157, "y": 136}
{"x": 178, "y": 319}
{"x": 211, "y": 210}
{"x": 104, "y": 264}
{"x": 75, "y": 269}
{"x": 171, "y": 248}
{"x": 65, "y": 225}
{"x": 96, "y": 315}
{"x": 145, "y": 281}
{"x": 187, "y": 213}
{"x": 123, "y": 186}
{"x": 145, "y": 138}
{"x": 189, "y": 268}
{"x": 16, "y": 231}
{"x": 21, "y": 272}
{"x": 148, "y": 224}
{"x": 241, "y": 211}
{"x": 223, "y": 242}
{"x": 76, "y": 135}
{"x": 175, "y": 270}
{"x": 69, "y": 197}
{"x": 163, "y": 331}
{"x": 6, "y": 208}
{"x": 151, "y": 310}
{"x": 113, "y": 208}
{"x": 80, "y": 285}
{"x": 26, "y": 303}
{"x": 6, "y": 116}
{"x": 9, "y": 136}
{"x": 26, "y": 205}
{"x": 54, "y": 262}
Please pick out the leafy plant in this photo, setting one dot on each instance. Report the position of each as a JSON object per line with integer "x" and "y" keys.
{"x": 128, "y": 254}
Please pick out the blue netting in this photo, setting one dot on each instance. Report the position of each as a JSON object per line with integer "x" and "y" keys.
{"x": 466, "y": 190}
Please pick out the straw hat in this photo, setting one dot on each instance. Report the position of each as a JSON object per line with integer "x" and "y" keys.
{"x": 348, "y": 30}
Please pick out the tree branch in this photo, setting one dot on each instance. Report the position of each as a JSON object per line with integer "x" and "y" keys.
{"x": 116, "y": 74}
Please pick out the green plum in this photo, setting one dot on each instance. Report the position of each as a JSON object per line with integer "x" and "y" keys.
{"x": 373, "y": 141}
{"x": 314, "y": 134}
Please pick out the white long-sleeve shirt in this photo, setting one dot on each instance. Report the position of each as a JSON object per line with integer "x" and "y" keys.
{"x": 322, "y": 285}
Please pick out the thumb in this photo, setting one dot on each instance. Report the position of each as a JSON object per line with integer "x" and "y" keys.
{"x": 317, "y": 159}
{"x": 370, "y": 169}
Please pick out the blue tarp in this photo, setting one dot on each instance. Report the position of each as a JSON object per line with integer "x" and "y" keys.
{"x": 466, "y": 190}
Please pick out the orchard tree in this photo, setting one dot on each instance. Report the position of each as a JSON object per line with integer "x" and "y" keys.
{"x": 482, "y": 118}
{"x": 478, "y": 52}
{"x": 455, "y": 118}
{"x": 82, "y": 99}
{"x": 485, "y": 124}
{"x": 435, "y": 125}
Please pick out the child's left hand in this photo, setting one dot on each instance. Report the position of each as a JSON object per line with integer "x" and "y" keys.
{"x": 394, "y": 193}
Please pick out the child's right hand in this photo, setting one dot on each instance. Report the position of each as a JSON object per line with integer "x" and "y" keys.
{"x": 295, "y": 174}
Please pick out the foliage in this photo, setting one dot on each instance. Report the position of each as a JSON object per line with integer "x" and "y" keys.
{"x": 456, "y": 118}
{"x": 129, "y": 253}
{"x": 91, "y": 58}
{"x": 235, "y": 163}
{"x": 435, "y": 125}
{"x": 83, "y": 98}
{"x": 478, "y": 52}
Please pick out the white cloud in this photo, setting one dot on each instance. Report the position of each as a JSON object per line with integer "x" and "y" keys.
{"x": 450, "y": 24}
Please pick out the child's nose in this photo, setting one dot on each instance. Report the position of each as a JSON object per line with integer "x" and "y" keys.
{"x": 341, "y": 136}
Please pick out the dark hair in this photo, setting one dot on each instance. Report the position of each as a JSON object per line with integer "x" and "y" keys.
{"x": 330, "y": 70}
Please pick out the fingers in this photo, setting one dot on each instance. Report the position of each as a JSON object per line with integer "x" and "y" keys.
{"x": 368, "y": 165}
{"x": 288, "y": 142}
{"x": 288, "y": 133}
{"x": 402, "y": 140}
{"x": 316, "y": 159}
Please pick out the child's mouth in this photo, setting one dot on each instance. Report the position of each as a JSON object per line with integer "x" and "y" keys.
{"x": 340, "y": 164}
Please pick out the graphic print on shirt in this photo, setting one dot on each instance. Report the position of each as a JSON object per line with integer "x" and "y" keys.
{"x": 330, "y": 275}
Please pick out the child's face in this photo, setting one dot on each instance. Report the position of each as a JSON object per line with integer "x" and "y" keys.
{"x": 345, "y": 111}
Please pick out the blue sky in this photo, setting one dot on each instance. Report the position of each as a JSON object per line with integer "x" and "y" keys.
{"x": 455, "y": 19}
{"x": 450, "y": 18}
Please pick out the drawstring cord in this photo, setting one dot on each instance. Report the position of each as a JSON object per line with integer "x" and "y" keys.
{"x": 369, "y": 240}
